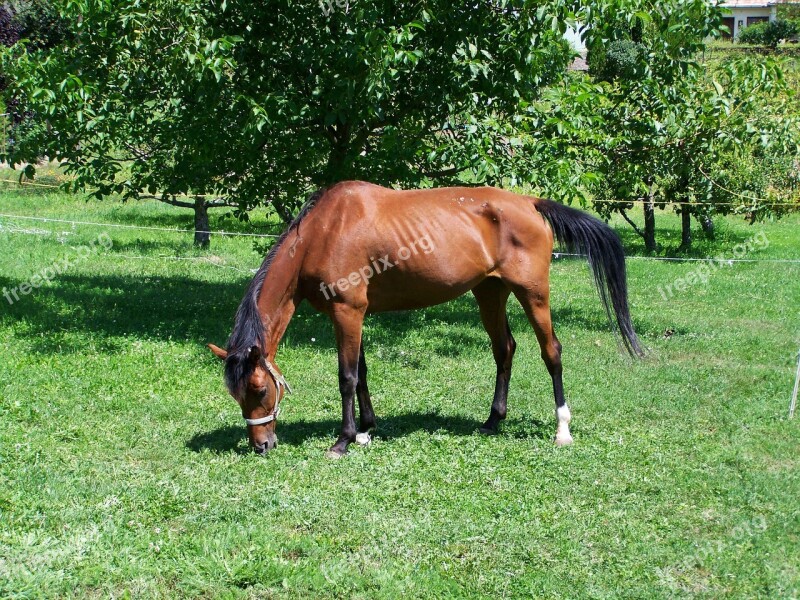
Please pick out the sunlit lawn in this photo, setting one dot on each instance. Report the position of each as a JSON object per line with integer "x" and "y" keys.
{"x": 124, "y": 468}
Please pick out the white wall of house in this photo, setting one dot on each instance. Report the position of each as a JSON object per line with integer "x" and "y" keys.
{"x": 744, "y": 16}
{"x": 573, "y": 36}
{"x": 738, "y": 18}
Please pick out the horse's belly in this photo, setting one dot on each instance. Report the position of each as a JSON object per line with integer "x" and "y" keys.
{"x": 412, "y": 297}
{"x": 411, "y": 288}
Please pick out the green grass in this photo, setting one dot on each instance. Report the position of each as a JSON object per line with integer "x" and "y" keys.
{"x": 124, "y": 470}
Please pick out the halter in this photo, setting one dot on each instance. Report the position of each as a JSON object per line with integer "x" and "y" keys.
{"x": 280, "y": 383}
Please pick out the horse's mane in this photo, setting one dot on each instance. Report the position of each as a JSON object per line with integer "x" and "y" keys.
{"x": 248, "y": 328}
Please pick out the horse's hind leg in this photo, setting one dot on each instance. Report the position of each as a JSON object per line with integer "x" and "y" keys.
{"x": 366, "y": 416}
{"x": 537, "y": 308}
{"x": 492, "y": 296}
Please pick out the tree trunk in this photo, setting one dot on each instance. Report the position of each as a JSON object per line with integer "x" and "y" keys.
{"x": 202, "y": 228}
{"x": 650, "y": 224}
{"x": 686, "y": 228}
{"x": 336, "y": 170}
{"x": 285, "y": 215}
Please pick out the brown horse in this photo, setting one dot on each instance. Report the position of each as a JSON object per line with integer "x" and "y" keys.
{"x": 357, "y": 248}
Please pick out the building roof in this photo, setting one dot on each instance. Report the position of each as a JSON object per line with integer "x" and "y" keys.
{"x": 579, "y": 64}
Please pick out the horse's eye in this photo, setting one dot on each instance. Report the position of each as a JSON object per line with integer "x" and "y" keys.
{"x": 262, "y": 391}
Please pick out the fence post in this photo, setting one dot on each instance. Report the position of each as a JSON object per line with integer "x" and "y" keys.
{"x": 793, "y": 403}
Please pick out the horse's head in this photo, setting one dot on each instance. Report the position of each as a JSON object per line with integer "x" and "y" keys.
{"x": 258, "y": 387}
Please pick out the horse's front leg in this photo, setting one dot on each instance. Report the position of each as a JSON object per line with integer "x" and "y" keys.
{"x": 347, "y": 322}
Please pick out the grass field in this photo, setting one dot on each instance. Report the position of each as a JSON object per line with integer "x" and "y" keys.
{"x": 124, "y": 470}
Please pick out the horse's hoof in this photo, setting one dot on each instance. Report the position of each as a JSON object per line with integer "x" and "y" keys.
{"x": 334, "y": 454}
{"x": 489, "y": 428}
{"x": 363, "y": 438}
{"x": 563, "y": 440}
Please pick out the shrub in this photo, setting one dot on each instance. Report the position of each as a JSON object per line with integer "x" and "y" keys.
{"x": 779, "y": 30}
{"x": 41, "y": 23}
{"x": 9, "y": 29}
{"x": 754, "y": 34}
{"x": 768, "y": 34}
{"x": 621, "y": 60}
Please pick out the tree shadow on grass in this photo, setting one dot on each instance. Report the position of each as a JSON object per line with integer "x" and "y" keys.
{"x": 168, "y": 247}
{"x": 151, "y": 213}
{"x": 183, "y": 308}
{"x": 295, "y": 433}
{"x": 669, "y": 239}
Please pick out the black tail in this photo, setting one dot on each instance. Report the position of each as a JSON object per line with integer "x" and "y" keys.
{"x": 584, "y": 234}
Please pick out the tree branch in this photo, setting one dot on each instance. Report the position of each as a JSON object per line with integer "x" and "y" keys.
{"x": 446, "y": 172}
{"x": 631, "y": 223}
{"x": 216, "y": 203}
{"x": 172, "y": 202}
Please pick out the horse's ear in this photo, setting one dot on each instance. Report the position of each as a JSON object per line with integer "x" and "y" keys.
{"x": 254, "y": 355}
{"x": 218, "y": 352}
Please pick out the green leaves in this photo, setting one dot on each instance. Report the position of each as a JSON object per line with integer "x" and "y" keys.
{"x": 262, "y": 103}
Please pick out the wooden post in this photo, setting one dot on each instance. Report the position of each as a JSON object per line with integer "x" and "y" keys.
{"x": 793, "y": 403}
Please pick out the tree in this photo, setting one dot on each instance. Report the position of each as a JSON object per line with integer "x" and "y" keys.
{"x": 41, "y": 25}
{"x": 238, "y": 103}
{"x": 673, "y": 127}
{"x": 738, "y": 121}
{"x": 9, "y": 32}
{"x": 639, "y": 59}
{"x": 788, "y": 9}
{"x": 9, "y": 35}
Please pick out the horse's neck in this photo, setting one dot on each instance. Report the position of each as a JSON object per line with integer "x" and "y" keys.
{"x": 278, "y": 298}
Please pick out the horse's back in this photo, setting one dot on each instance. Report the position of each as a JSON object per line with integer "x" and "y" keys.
{"x": 359, "y": 204}
{"x": 407, "y": 248}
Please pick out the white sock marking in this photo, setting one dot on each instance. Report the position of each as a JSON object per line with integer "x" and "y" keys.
{"x": 563, "y": 436}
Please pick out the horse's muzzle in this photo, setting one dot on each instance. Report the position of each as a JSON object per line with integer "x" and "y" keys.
{"x": 270, "y": 443}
